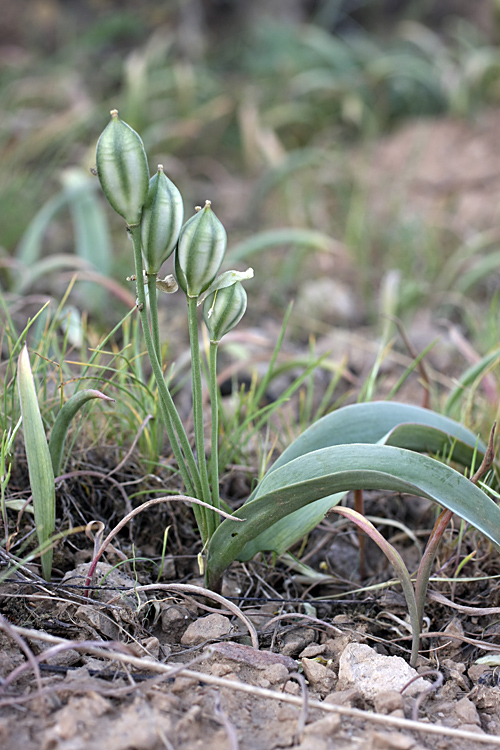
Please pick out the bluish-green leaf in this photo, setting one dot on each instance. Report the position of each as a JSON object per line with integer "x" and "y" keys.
{"x": 400, "y": 425}
{"x": 369, "y": 423}
{"x": 341, "y": 468}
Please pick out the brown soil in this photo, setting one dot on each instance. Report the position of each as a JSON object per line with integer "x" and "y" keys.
{"x": 167, "y": 667}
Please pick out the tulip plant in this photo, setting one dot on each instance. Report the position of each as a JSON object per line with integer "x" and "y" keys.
{"x": 376, "y": 445}
{"x": 153, "y": 211}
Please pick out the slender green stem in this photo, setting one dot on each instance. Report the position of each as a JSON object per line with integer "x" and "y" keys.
{"x": 153, "y": 313}
{"x": 173, "y": 424}
{"x": 199, "y": 435}
{"x": 214, "y": 405}
{"x": 155, "y": 330}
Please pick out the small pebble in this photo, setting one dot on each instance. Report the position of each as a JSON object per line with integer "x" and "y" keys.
{"x": 319, "y": 677}
{"x": 207, "y": 628}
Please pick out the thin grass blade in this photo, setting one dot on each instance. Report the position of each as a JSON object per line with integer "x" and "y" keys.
{"x": 63, "y": 422}
{"x": 472, "y": 376}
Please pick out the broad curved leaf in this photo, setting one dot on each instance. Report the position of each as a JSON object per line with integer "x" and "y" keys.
{"x": 369, "y": 423}
{"x": 341, "y": 468}
{"x": 400, "y": 425}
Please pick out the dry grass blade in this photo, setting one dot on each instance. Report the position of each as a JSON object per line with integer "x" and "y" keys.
{"x": 228, "y": 726}
{"x": 425, "y": 693}
{"x": 435, "y": 596}
{"x": 32, "y": 662}
{"x": 190, "y": 589}
{"x": 140, "y": 509}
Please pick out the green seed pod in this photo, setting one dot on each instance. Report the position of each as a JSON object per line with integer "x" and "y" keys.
{"x": 200, "y": 251}
{"x": 223, "y": 310}
{"x": 122, "y": 168}
{"x": 161, "y": 220}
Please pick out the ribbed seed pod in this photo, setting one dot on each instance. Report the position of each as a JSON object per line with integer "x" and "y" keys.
{"x": 122, "y": 168}
{"x": 200, "y": 251}
{"x": 223, "y": 310}
{"x": 161, "y": 220}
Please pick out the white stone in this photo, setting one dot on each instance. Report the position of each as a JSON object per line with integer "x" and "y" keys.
{"x": 371, "y": 673}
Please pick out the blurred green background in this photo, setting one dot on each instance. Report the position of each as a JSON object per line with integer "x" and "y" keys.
{"x": 349, "y": 147}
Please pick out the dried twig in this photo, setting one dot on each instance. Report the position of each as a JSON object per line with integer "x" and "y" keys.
{"x": 190, "y": 589}
{"x": 140, "y": 509}
{"x": 304, "y": 709}
{"x": 488, "y": 458}
{"x": 425, "y": 693}
{"x": 221, "y": 716}
{"x": 435, "y": 596}
{"x": 30, "y": 656}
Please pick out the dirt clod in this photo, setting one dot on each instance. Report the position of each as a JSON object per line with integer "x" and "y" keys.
{"x": 387, "y": 702}
{"x": 391, "y": 741}
{"x": 466, "y": 712}
{"x": 205, "y": 629}
{"x": 320, "y": 678}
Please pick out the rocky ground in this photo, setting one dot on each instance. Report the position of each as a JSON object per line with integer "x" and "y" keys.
{"x": 322, "y": 685}
{"x": 170, "y": 665}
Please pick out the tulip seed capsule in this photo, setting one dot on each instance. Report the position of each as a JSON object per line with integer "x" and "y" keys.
{"x": 200, "y": 251}
{"x": 223, "y": 310}
{"x": 161, "y": 220}
{"x": 122, "y": 168}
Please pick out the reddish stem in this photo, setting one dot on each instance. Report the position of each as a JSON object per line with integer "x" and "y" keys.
{"x": 359, "y": 506}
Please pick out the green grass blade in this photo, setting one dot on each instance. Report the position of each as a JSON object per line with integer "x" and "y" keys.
{"x": 39, "y": 460}
{"x": 29, "y": 249}
{"x": 63, "y": 421}
{"x": 341, "y": 468}
{"x": 473, "y": 375}
{"x": 263, "y": 241}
